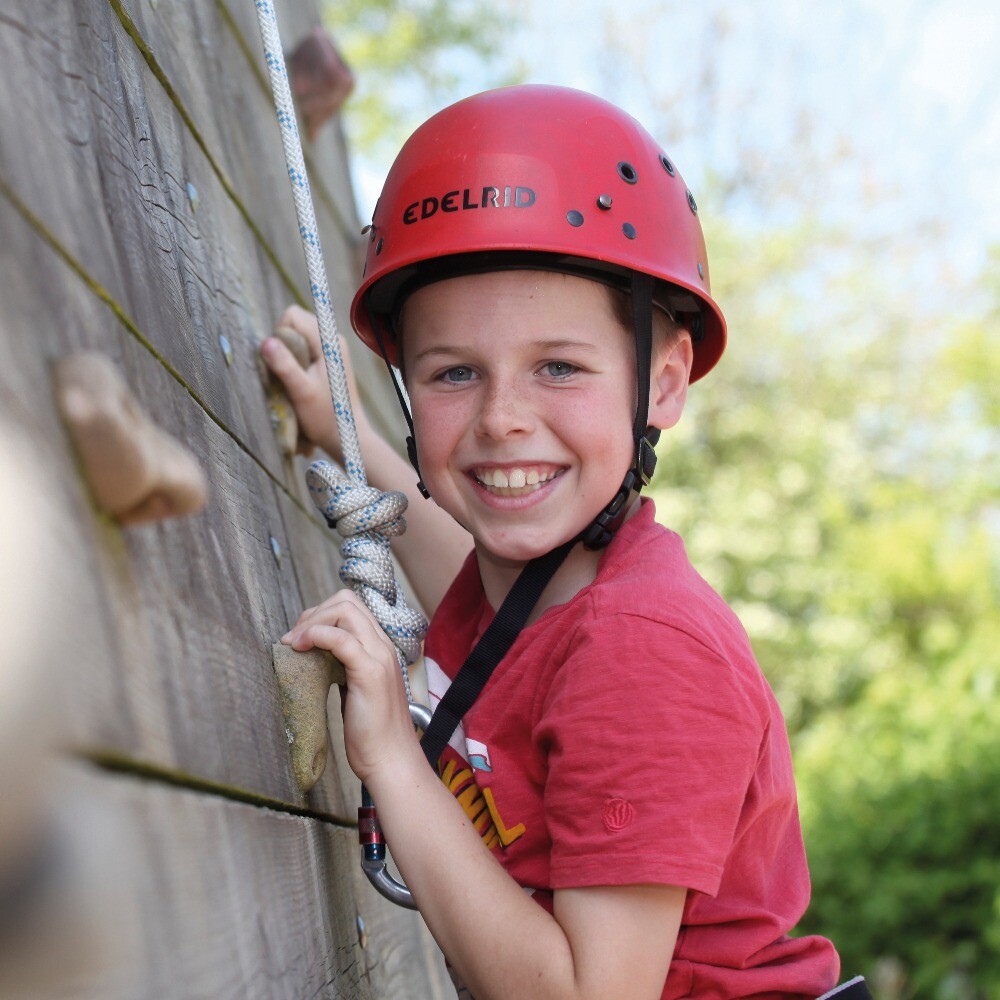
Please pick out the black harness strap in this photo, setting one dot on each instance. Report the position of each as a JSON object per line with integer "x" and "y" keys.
{"x": 854, "y": 989}
{"x": 490, "y": 650}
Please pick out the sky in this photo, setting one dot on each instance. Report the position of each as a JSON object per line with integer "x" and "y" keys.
{"x": 891, "y": 108}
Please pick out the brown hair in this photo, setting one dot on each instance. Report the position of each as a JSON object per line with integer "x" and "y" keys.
{"x": 666, "y": 329}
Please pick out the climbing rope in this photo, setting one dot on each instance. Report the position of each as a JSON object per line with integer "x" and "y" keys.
{"x": 365, "y": 517}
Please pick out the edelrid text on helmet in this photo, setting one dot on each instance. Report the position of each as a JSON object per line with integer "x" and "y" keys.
{"x": 508, "y": 196}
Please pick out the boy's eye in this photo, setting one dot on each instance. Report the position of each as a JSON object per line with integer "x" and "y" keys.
{"x": 558, "y": 369}
{"x": 457, "y": 375}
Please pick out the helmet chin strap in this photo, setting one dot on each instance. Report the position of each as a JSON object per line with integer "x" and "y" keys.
{"x": 603, "y": 529}
{"x": 411, "y": 438}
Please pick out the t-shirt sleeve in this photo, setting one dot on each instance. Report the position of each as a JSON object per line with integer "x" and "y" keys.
{"x": 651, "y": 740}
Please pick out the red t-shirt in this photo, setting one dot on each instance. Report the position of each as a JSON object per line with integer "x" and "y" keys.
{"x": 630, "y": 737}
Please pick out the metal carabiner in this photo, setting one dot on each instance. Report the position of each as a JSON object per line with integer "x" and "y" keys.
{"x": 372, "y": 841}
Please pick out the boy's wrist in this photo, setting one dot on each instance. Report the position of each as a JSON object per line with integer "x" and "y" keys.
{"x": 406, "y": 768}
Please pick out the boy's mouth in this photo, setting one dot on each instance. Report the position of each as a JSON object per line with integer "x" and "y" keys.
{"x": 515, "y": 481}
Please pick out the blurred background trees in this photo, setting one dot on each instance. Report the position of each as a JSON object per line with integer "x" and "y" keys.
{"x": 836, "y": 478}
{"x": 842, "y": 493}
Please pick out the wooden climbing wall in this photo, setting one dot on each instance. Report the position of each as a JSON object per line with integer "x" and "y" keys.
{"x": 145, "y": 214}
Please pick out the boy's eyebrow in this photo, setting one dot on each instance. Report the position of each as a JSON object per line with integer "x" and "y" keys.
{"x": 546, "y": 345}
{"x": 579, "y": 345}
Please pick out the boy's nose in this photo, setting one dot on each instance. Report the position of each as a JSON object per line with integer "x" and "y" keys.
{"x": 504, "y": 411}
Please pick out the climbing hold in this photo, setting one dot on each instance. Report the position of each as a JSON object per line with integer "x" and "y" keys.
{"x": 136, "y": 471}
{"x": 321, "y": 80}
{"x": 192, "y": 193}
{"x": 304, "y": 680}
{"x": 296, "y": 343}
{"x": 283, "y": 419}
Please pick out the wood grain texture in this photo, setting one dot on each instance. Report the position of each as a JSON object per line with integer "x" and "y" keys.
{"x": 113, "y": 184}
{"x": 119, "y": 236}
{"x": 159, "y": 893}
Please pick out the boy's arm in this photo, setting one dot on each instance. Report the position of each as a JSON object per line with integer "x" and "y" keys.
{"x": 604, "y": 941}
{"x": 501, "y": 942}
{"x": 433, "y": 548}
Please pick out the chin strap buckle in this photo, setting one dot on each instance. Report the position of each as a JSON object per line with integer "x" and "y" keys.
{"x": 645, "y": 461}
{"x": 603, "y": 529}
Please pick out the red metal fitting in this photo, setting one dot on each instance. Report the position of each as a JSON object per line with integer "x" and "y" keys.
{"x": 369, "y": 830}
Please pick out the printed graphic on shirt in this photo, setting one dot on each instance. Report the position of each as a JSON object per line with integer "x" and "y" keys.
{"x": 479, "y": 805}
{"x": 479, "y": 755}
{"x": 459, "y": 774}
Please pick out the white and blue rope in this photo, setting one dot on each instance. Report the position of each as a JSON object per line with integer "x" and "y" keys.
{"x": 364, "y": 516}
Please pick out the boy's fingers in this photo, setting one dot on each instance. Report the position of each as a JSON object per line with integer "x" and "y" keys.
{"x": 350, "y": 614}
{"x": 280, "y": 360}
{"x": 303, "y": 322}
{"x": 343, "y": 610}
{"x": 345, "y": 646}
{"x": 349, "y": 645}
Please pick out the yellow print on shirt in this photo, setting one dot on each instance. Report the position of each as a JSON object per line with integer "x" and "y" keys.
{"x": 479, "y": 806}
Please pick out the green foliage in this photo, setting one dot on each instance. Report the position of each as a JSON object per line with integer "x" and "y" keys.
{"x": 410, "y": 57}
{"x": 836, "y": 479}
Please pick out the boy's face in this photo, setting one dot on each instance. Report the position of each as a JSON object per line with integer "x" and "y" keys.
{"x": 522, "y": 385}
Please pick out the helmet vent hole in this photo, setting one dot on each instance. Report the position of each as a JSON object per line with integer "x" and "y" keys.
{"x": 629, "y": 230}
{"x": 379, "y": 245}
{"x": 701, "y": 270}
{"x": 667, "y": 165}
{"x": 574, "y": 218}
{"x": 692, "y": 204}
{"x": 627, "y": 172}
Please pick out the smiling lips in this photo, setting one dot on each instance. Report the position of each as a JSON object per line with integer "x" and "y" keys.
{"x": 515, "y": 482}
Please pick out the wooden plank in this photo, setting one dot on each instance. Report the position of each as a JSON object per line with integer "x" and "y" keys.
{"x": 219, "y": 99}
{"x": 112, "y": 185}
{"x": 326, "y": 162}
{"x": 165, "y": 629}
{"x": 61, "y": 317}
{"x": 215, "y": 73}
{"x": 159, "y": 892}
{"x": 186, "y": 611}
{"x": 202, "y": 59}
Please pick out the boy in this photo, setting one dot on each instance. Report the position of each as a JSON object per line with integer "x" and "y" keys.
{"x": 536, "y": 270}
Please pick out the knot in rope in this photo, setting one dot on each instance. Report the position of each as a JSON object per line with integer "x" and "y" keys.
{"x": 367, "y": 518}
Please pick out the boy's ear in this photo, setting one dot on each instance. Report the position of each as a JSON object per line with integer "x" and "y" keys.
{"x": 668, "y": 382}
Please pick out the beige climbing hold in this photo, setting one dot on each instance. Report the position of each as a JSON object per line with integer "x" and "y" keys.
{"x": 320, "y": 79}
{"x": 296, "y": 343}
{"x": 283, "y": 419}
{"x": 304, "y": 680}
{"x": 135, "y": 470}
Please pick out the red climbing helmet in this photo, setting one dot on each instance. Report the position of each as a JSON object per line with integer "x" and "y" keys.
{"x": 544, "y": 177}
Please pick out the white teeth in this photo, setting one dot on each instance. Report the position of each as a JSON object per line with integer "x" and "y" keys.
{"x": 513, "y": 479}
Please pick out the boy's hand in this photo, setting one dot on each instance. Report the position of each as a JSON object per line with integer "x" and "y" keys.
{"x": 377, "y": 726}
{"x": 308, "y": 389}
